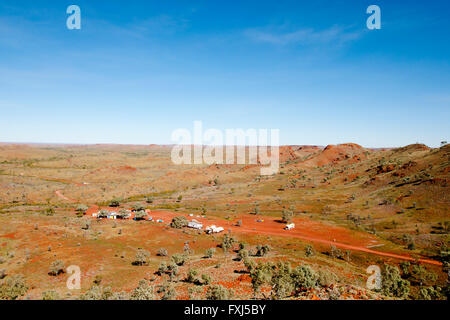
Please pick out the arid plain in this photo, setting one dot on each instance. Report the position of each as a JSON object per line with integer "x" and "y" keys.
{"x": 352, "y": 208}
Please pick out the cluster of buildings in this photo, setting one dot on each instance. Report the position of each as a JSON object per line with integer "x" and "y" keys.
{"x": 194, "y": 224}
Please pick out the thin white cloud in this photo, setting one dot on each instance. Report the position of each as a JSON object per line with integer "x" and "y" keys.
{"x": 304, "y": 36}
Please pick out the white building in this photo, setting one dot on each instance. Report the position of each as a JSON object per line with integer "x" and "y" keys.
{"x": 195, "y": 225}
{"x": 214, "y": 229}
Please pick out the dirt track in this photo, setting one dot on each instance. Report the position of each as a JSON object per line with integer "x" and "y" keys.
{"x": 60, "y": 195}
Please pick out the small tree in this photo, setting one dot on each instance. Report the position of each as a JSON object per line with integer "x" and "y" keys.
{"x": 179, "y": 222}
{"x": 335, "y": 252}
{"x": 286, "y": 216}
{"x": 162, "y": 268}
{"x": 262, "y": 250}
{"x": 138, "y": 207}
{"x": 103, "y": 213}
{"x": 143, "y": 291}
{"x": 206, "y": 279}
{"x": 56, "y": 268}
{"x": 50, "y": 295}
{"x": 172, "y": 270}
{"x": 162, "y": 252}
{"x": 140, "y": 215}
{"x": 392, "y": 283}
{"x": 142, "y": 258}
{"x": 81, "y": 209}
{"x": 260, "y": 275}
{"x": 179, "y": 259}
{"x": 12, "y": 287}
{"x": 115, "y": 202}
{"x": 304, "y": 278}
{"x": 49, "y": 211}
{"x": 309, "y": 250}
{"x": 282, "y": 282}
{"x": 218, "y": 292}
{"x": 210, "y": 252}
{"x": 168, "y": 291}
{"x": 122, "y": 214}
{"x": 192, "y": 276}
{"x": 227, "y": 243}
{"x": 242, "y": 254}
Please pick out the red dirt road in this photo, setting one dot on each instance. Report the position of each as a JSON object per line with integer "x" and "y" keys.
{"x": 60, "y": 195}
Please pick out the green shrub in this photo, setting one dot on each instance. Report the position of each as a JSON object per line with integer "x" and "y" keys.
{"x": 262, "y": 250}
{"x": 304, "y": 278}
{"x": 142, "y": 257}
{"x": 168, "y": 292}
{"x": 309, "y": 250}
{"x": 12, "y": 287}
{"x": 50, "y": 295}
{"x": 326, "y": 278}
{"x": 392, "y": 283}
{"x": 81, "y": 209}
{"x": 162, "y": 252}
{"x": 56, "y": 268}
{"x": 286, "y": 216}
{"x": 122, "y": 214}
{"x": 210, "y": 252}
{"x": 430, "y": 293}
{"x": 179, "y": 259}
{"x": 227, "y": 243}
{"x": 162, "y": 268}
{"x": 140, "y": 215}
{"x": 421, "y": 276}
{"x": 143, "y": 291}
{"x": 282, "y": 282}
{"x": 206, "y": 279}
{"x": 172, "y": 270}
{"x": 115, "y": 202}
{"x": 179, "y": 222}
{"x": 218, "y": 292}
{"x": 192, "y": 276}
{"x": 260, "y": 274}
{"x": 97, "y": 293}
{"x": 242, "y": 254}
{"x": 138, "y": 207}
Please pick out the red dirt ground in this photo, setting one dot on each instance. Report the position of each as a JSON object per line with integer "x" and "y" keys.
{"x": 306, "y": 229}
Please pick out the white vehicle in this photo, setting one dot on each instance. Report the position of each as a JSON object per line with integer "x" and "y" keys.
{"x": 214, "y": 229}
{"x": 195, "y": 225}
{"x": 289, "y": 226}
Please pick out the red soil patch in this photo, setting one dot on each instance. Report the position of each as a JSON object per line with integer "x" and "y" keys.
{"x": 9, "y": 236}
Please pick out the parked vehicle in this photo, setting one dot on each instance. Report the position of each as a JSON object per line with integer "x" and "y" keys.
{"x": 289, "y": 226}
{"x": 214, "y": 229}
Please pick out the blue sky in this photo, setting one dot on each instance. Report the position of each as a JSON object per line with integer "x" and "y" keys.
{"x": 138, "y": 70}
